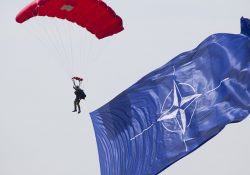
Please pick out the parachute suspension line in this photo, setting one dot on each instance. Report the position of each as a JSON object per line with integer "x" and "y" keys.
{"x": 85, "y": 50}
{"x": 42, "y": 35}
{"x": 51, "y": 43}
{"x": 76, "y": 46}
{"x": 73, "y": 35}
{"x": 86, "y": 55}
{"x": 89, "y": 44}
{"x": 90, "y": 49}
{"x": 57, "y": 43}
{"x": 94, "y": 44}
{"x": 69, "y": 29}
{"x": 100, "y": 46}
{"x": 32, "y": 30}
{"x": 78, "y": 59}
{"x": 70, "y": 38}
{"x": 83, "y": 42}
{"x": 42, "y": 41}
{"x": 57, "y": 34}
{"x": 49, "y": 35}
{"x": 61, "y": 36}
{"x": 65, "y": 41}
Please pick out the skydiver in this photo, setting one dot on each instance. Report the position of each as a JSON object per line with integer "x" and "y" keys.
{"x": 79, "y": 95}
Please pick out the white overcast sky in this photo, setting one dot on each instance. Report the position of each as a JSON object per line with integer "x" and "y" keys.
{"x": 39, "y": 135}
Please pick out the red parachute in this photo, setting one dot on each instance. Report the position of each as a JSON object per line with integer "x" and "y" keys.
{"x": 94, "y": 15}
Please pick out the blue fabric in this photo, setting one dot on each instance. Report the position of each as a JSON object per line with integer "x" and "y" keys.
{"x": 245, "y": 26}
{"x": 176, "y": 108}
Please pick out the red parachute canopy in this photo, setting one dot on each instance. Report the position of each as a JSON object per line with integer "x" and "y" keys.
{"x": 94, "y": 15}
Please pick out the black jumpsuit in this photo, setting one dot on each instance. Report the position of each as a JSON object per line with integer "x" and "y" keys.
{"x": 79, "y": 95}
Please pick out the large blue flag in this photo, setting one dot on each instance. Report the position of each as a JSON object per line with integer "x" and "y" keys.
{"x": 176, "y": 108}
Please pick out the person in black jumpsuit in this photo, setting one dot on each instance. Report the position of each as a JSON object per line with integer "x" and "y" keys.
{"x": 79, "y": 95}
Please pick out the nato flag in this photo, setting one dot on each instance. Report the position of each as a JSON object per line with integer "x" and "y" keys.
{"x": 176, "y": 108}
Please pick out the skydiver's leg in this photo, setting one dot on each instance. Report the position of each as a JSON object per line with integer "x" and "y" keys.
{"x": 75, "y": 103}
{"x": 79, "y": 107}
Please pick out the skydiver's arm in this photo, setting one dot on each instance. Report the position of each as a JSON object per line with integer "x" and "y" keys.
{"x": 74, "y": 83}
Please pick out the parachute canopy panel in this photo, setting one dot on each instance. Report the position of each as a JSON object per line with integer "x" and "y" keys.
{"x": 94, "y": 15}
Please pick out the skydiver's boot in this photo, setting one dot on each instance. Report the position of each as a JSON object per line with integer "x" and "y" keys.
{"x": 74, "y": 109}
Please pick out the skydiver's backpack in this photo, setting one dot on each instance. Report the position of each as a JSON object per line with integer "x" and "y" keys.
{"x": 82, "y": 94}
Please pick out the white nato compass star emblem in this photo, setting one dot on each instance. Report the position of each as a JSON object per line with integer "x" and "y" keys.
{"x": 177, "y": 117}
{"x": 178, "y": 109}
